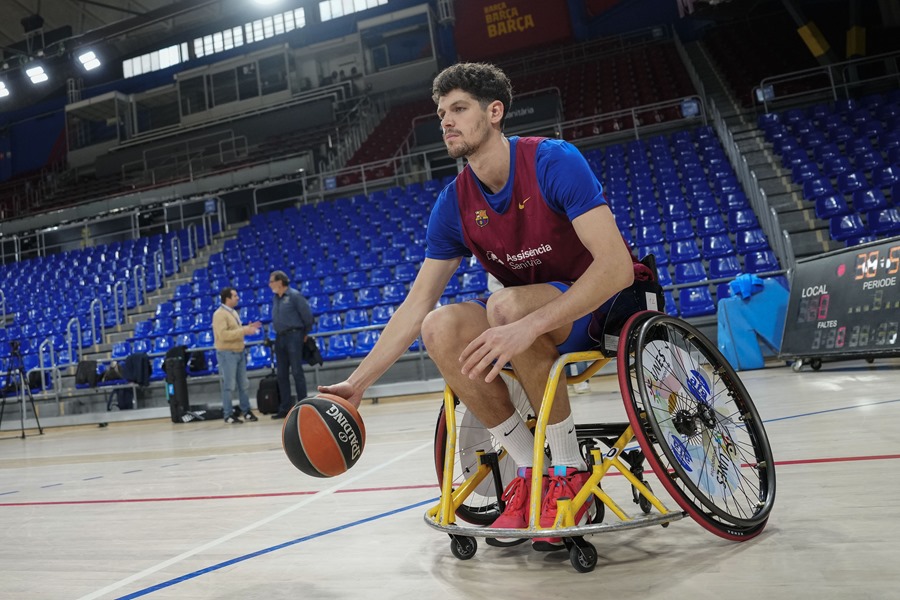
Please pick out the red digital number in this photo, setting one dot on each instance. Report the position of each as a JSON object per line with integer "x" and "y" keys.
{"x": 823, "y": 306}
{"x": 841, "y": 335}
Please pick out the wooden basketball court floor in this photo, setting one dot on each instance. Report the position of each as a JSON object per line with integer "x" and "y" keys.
{"x": 207, "y": 510}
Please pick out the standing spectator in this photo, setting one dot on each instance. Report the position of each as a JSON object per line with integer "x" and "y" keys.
{"x": 228, "y": 333}
{"x": 291, "y": 320}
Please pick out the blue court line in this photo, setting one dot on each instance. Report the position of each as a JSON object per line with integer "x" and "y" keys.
{"x": 94, "y": 477}
{"x": 135, "y": 471}
{"x": 830, "y": 410}
{"x": 6, "y": 493}
{"x": 238, "y": 559}
{"x": 49, "y": 485}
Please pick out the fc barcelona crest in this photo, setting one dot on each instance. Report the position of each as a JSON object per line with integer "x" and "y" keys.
{"x": 481, "y": 218}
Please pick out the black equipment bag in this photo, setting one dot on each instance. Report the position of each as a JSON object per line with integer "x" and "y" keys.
{"x": 123, "y": 397}
{"x": 176, "y": 385}
{"x": 86, "y": 372}
{"x": 267, "y": 397}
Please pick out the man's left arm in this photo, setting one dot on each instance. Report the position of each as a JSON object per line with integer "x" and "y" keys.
{"x": 302, "y": 307}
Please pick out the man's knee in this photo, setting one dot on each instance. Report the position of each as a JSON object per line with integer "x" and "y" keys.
{"x": 506, "y": 306}
{"x": 446, "y": 325}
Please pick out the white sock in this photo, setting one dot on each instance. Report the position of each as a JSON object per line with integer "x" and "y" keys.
{"x": 564, "y": 444}
{"x": 514, "y": 435}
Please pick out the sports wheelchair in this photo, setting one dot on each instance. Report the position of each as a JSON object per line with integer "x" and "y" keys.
{"x": 690, "y": 420}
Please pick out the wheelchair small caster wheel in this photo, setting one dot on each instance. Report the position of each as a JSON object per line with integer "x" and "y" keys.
{"x": 645, "y": 505}
{"x": 463, "y": 547}
{"x": 816, "y": 364}
{"x": 583, "y": 556}
{"x": 797, "y": 366}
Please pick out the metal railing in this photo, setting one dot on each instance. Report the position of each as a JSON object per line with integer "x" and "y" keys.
{"x": 836, "y": 80}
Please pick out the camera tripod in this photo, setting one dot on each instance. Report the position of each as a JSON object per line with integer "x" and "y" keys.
{"x": 17, "y": 379}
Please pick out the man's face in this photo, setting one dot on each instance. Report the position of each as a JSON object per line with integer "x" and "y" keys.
{"x": 232, "y": 300}
{"x": 465, "y": 125}
{"x": 277, "y": 286}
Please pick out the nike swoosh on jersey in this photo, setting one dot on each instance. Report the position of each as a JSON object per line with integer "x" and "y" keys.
{"x": 522, "y": 203}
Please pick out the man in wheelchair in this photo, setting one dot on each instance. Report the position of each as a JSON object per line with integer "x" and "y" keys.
{"x": 534, "y": 215}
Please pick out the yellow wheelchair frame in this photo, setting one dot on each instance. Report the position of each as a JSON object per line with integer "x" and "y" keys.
{"x": 645, "y": 327}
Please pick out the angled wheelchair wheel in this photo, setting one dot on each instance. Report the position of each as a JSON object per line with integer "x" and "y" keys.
{"x": 482, "y": 506}
{"x": 697, "y": 425}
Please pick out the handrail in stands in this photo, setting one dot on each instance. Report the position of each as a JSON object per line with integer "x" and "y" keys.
{"x": 120, "y": 285}
{"x": 77, "y": 336}
{"x": 159, "y": 263}
{"x": 2, "y": 309}
{"x": 97, "y": 332}
{"x": 839, "y": 79}
{"x": 143, "y": 283}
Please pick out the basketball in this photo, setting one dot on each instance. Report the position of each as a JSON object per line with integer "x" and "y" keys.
{"x": 323, "y": 435}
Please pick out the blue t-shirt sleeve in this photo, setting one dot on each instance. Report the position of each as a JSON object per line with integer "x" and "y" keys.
{"x": 444, "y": 239}
{"x": 567, "y": 182}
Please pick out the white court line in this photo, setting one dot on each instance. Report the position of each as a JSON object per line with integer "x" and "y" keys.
{"x": 309, "y": 499}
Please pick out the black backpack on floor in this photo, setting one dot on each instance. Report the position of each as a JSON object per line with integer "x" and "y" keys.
{"x": 267, "y": 398}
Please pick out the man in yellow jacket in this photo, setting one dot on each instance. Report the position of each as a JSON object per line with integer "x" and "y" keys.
{"x": 228, "y": 333}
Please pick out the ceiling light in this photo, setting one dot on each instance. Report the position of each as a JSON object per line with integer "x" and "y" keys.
{"x": 89, "y": 60}
{"x": 36, "y": 73}
{"x": 4, "y": 92}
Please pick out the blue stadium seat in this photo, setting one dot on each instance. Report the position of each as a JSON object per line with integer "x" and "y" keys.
{"x": 318, "y": 304}
{"x": 690, "y": 272}
{"x": 332, "y": 283}
{"x": 475, "y": 282}
{"x": 761, "y": 262}
{"x": 681, "y": 229}
{"x": 803, "y": 171}
{"x": 259, "y": 356}
{"x": 671, "y": 308}
{"x": 845, "y": 227}
{"x": 815, "y": 187}
{"x": 734, "y": 201}
{"x": 696, "y": 301}
{"x": 716, "y": 245}
{"x": 156, "y": 369}
{"x": 742, "y": 220}
{"x": 309, "y": 287}
{"x": 382, "y": 314}
{"x": 405, "y": 272}
{"x": 710, "y": 224}
{"x": 162, "y": 344}
{"x": 185, "y": 339}
{"x": 330, "y": 321}
{"x": 365, "y": 341}
{"x": 343, "y": 300}
{"x": 750, "y": 240}
{"x": 831, "y": 205}
{"x": 265, "y": 312}
{"x": 866, "y": 200}
{"x": 885, "y": 177}
{"x": 141, "y": 346}
{"x": 205, "y": 339}
{"x": 884, "y": 222}
{"x": 340, "y": 346}
{"x": 120, "y": 350}
{"x": 369, "y": 297}
{"x": 380, "y": 276}
{"x": 355, "y": 317}
{"x": 851, "y": 181}
{"x": 683, "y": 251}
{"x": 162, "y": 326}
{"x": 721, "y": 267}
{"x": 657, "y": 250}
{"x": 704, "y": 204}
{"x": 650, "y": 233}
{"x": 836, "y": 165}
{"x": 357, "y": 279}
{"x": 393, "y": 293}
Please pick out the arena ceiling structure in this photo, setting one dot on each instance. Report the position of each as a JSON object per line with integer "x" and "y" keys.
{"x": 54, "y": 33}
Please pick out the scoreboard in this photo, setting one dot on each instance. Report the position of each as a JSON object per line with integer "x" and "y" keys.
{"x": 845, "y": 304}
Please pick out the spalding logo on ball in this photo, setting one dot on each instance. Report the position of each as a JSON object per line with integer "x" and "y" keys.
{"x": 323, "y": 436}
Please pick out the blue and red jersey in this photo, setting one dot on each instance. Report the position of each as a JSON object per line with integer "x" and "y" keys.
{"x": 523, "y": 234}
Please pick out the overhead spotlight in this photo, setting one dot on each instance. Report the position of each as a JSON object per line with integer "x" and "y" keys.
{"x": 36, "y": 73}
{"x": 4, "y": 92}
{"x": 89, "y": 60}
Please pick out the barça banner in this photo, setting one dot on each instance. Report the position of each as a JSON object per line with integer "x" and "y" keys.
{"x": 485, "y": 29}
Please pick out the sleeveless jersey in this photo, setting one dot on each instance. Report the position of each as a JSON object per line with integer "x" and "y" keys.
{"x": 529, "y": 242}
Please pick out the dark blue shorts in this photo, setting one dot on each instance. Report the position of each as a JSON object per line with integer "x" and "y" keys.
{"x": 579, "y": 340}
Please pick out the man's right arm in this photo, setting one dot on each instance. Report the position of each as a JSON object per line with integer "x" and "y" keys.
{"x": 404, "y": 327}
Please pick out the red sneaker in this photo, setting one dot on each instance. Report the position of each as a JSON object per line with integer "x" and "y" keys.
{"x": 565, "y": 482}
{"x": 516, "y": 497}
